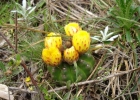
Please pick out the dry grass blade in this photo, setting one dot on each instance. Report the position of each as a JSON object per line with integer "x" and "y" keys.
{"x": 71, "y": 9}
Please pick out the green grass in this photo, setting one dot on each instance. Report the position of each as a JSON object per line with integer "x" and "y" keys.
{"x": 5, "y": 12}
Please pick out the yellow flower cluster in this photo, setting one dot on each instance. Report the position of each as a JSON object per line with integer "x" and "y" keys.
{"x": 80, "y": 42}
{"x": 51, "y": 54}
{"x": 53, "y": 43}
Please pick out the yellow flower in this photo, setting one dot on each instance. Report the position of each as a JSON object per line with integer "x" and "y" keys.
{"x": 72, "y": 28}
{"x": 51, "y": 56}
{"x": 81, "y": 41}
{"x": 53, "y": 40}
{"x": 27, "y": 79}
{"x": 71, "y": 55}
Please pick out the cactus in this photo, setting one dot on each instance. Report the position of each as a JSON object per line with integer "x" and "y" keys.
{"x": 72, "y": 64}
{"x": 65, "y": 72}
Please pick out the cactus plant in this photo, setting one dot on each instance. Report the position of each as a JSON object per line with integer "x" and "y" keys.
{"x": 72, "y": 63}
{"x": 65, "y": 72}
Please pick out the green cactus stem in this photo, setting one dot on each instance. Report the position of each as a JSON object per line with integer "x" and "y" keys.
{"x": 65, "y": 72}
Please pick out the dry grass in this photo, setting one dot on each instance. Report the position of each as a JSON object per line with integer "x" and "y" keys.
{"x": 116, "y": 74}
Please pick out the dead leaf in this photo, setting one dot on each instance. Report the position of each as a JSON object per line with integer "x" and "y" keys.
{"x": 4, "y": 93}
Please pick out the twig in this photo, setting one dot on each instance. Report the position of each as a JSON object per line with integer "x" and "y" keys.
{"x": 54, "y": 91}
{"x": 29, "y": 73}
{"x": 31, "y": 29}
{"x": 96, "y": 81}
{"x": 22, "y": 90}
{"x": 131, "y": 93}
{"x": 32, "y": 79}
{"x": 117, "y": 50}
{"x": 22, "y": 63}
{"x": 7, "y": 41}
